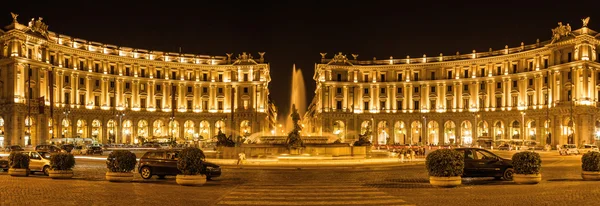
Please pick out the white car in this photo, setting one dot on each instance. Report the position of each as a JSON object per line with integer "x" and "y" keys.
{"x": 38, "y": 162}
{"x": 588, "y": 148}
{"x": 568, "y": 149}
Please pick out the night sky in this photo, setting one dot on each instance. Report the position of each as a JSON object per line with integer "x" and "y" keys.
{"x": 297, "y": 32}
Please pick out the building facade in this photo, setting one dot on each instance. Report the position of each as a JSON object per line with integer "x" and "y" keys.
{"x": 547, "y": 92}
{"x": 55, "y": 87}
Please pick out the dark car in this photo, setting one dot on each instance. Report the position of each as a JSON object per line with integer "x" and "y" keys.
{"x": 483, "y": 163}
{"x": 164, "y": 162}
{"x": 91, "y": 150}
{"x": 48, "y": 148}
{"x": 15, "y": 148}
{"x": 67, "y": 147}
{"x": 4, "y": 164}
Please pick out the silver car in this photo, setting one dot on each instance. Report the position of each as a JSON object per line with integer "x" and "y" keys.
{"x": 38, "y": 162}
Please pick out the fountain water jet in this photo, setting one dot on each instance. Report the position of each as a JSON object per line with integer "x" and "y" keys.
{"x": 298, "y": 97}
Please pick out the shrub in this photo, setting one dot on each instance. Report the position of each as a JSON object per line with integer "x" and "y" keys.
{"x": 190, "y": 161}
{"x": 18, "y": 160}
{"x": 591, "y": 162}
{"x": 121, "y": 161}
{"x": 445, "y": 163}
{"x": 62, "y": 161}
{"x": 527, "y": 163}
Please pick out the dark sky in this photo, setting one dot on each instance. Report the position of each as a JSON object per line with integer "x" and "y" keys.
{"x": 297, "y": 32}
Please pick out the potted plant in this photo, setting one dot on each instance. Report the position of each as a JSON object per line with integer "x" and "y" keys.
{"x": 445, "y": 167}
{"x": 120, "y": 163}
{"x": 62, "y": 166}
{"x": 191, "y": 167}
{"x": 527, "y": 167}
{"x": 18, "y": 164}
{"x": 590, "y": 166}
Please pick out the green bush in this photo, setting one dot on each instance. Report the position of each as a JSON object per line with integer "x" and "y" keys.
{"x": 591, "y": 162}
{"x": 445, "y": 163}
{"x": 527, "y": 163}
{"x": 62, "y": 161}
{"x": 121, "y": 161}
{"x": 18, "y": 160}
{"x": 190, "y": 161}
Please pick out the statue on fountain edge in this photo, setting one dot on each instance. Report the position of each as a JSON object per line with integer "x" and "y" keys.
{"x": 294, "y": 140}
{"x": 363, "y": 139}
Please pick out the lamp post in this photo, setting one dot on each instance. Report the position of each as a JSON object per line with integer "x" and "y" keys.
{"x": 120, "y": 115}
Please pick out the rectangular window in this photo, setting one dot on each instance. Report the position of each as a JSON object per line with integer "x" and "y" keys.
{"x": 51, "y": 59}
{"x": 382, "y": 77}
{"x": 189, "y": 104}
{"x": 483, "y": 72}
{"x": 514, "y": 68}
{"x": 399, "y": 105}
{"x": 189, "y": 89}
{"x": 382, "y": 90}
{"x": 450, "y": 75}
{"x": 127, "y": 85}
{"x": 245, "y": 90}
{"x": 96, "y": 67}
{"x": 465, "y": 87}
{"x": 158, "y": 104}
{"x": 432, "y": 104}
{"x": 466, "y": 73}
{"x": 399, "y": 90}
{"x": 569, "y": 95}
{"x": 97, "y": 101}
{"x": 530, "y": 66}
{"x": 173, "y": 75}
{"x": 205, "y": 77}
{"x": 482, "y": 86}
{"x": 205, "y": 105}
{"x": 66, "y": 63}
{"x": 338, "y": 104}
{"x": 366, "y": 78}
{"x": 220, "y": 77}
{"x": 466, "y": 103}
{"x": 432, "y": 75}
{"x": 499, "y": 70}
{"x": 569, "y": 57}
{"x": 339, "y": 77}
{"x": 142, "y": 87}
{"x": 66, "y": 79}
{"x": 204, "y": 90}
{"x": 220, "y": 90}
{"x": 399, "y": 77}
{"x": 158, "y": 74}
{"x": 515, "y": 101}
{"x": 366, "y": 106}
{"x": 112, "y": 101}
{"x": 143, "y": 73}
{"x": 339, "y": 90}
{"x": 529, "y": 100}
{"x": 416, "y": 105}
{"x": 112, "y": 69}
{"x": 81, "y": 65}
{"x": 67, "y": 98}
{"x": 514, "y": 83}
{"x": 545, "y": 63}
{"x": 82, "y": 99}
{"x": 128, "y": 102}
{"x": 499, "y": 85}
{"x": 245, "y": 77}
{"x": 546, "y": 80}
{"x": 382, "y": 105}
{"x": 416, "y": 76}
{"x": 158, "y": 88}
{"x": 97, "y": 83}
{"x": 127, "y": 71}
{"x": 449, "y": 88}
{"x": 220, "y": 105}
{"x": 112, "y": 84}
{"x": 569, "y": 75}
{"x": 545, "y": 99}
{"x": 449, "y": 103}
{"x": 433, "y": 89}
{"x": 81, "y": 81}
{"x": 416, "y": 90}
{"x": 530, "y": 82}
{"x": 498, "y": 102}
{"x": 30, "y": 53}
{"x": 366, "y": 90}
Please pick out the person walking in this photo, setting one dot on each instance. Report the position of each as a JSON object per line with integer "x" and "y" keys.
{"x": 241, "y": 159}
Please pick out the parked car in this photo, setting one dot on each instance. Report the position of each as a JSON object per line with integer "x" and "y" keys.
{"x": 164, "y": 163}
{"x": 92, "y": 149}
{"x": 4, "y": 164}
{"x": 483, "y": 163}
{"x": 588, "y": 148}
{"x": 77, "y": 150}
{"x": 67, "y": 147}
{"x": 38, "y": 162}
{"x": 15, "y": 148}
{"x": 48, "y": 148}
{"x": 506, "y": 147}
{"x": 568, "y": 149}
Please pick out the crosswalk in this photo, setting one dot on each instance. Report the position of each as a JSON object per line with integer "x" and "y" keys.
{"x": 309, "y": 194}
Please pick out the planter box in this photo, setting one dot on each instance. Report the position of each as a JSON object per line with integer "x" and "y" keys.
{"x": 119, "y": 176}
{"x": 445, "y": 181}
{"x": 60, "y": 174}
{"x": 18, "y": 172}
{"x": 527, "y": 179}
{"x": 191, "y": 180}
{"x": 588, "y": 175}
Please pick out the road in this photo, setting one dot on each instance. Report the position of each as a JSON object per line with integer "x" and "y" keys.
{"x": 361, "y": 185}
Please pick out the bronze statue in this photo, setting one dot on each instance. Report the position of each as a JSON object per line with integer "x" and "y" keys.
{"x": 294, "y": 141}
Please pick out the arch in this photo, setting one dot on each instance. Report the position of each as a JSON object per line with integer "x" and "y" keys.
{"x": 189, "y": 131}
{"x": 450, "y": 132}
{"x": 399, "y": 132}
{"x": 204, "y": 131}
{"x": 415, "y": 129}
{"x": 339, "y": 130}
{"x": 30, "y": 130}
{"x": 66, "y": 128}
{"x": 515, "y": 129}
{"x": 364, "y": 126}
{"x": 220, "y": 126}
{"x": 531, "y": 130}
{"x": 499, "y": 130}
{"x": 483, "y": 129}
{"x": 158, "y": 129}
{"x": 82, "y": 128}
{"x": 245, "y": 129}
{"x": 126, "y": 133}
{"x": 568, "y": 130}
{"x": 465, "y": 131}
{"x": 382, "y": 132}
{"x": 173, "y": 129}
{"x": 97, "y": 131}
{"x": 142, "y": 132}
{"x": 111, "y": 127}
{"x": 433, "y": 131}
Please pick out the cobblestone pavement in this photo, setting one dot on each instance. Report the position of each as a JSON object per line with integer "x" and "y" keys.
{"x": 395, "y": 185}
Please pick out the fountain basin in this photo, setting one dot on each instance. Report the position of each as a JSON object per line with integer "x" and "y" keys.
{"x": 275, "y": 150}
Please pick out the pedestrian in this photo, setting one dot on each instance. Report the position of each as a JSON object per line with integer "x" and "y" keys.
{"x": 412, "y": 155}
{"x": 401, "y": 156}
{"x": 241, "y": 159}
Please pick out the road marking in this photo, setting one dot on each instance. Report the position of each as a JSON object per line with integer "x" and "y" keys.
{"x": 307, "y": 194}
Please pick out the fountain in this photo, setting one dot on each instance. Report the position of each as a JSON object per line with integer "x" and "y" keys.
{"x": 295, "y": 145}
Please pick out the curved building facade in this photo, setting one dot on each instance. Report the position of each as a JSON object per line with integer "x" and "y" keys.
{"x": 546, "y": 92}
{"x": 58, "y": 87}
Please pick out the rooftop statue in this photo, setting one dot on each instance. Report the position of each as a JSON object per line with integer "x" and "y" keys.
{"x": 561, "y": 31}
{"x": 14, "y": 16}
{"x": 585, "y": 21}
